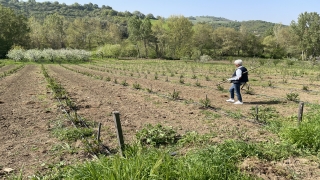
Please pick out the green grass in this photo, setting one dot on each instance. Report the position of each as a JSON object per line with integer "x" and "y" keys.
{"x": 212, "y": 162}
{"x": 149, "y": 163}
{"x": 305, "y": 136}
{"x": 72, "y": 134}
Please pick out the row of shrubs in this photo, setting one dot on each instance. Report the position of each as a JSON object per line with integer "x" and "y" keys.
{"x": 35, "y": 55}
{"x": 130, "y": 51}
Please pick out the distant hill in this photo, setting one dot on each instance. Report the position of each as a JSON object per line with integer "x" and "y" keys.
{"x": 40, "y": 10}
{"x": 255, "y": 26}
{"x": 208, "y": 19}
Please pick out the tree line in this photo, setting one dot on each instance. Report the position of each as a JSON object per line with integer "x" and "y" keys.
{"x": 137, "y": 35}
{"x": 31, "y": 8}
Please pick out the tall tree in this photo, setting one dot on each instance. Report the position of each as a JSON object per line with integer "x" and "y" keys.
{"x": 160, "y": 33}
{"x": 36, "y": 31}
{"x": 202, "y": 37}
{"x": 272, "y": 48}
{"x": 85, "y": 33}
{"x": 250, "y": 43}
{"x": 229, "y": 39}
{"x": 134, "y": 24}
{"x": 289, "y": 41}
{"x": 145, "y": 30}
{"x": 13, "y": 30}
{"x": 180, "y": 36}
{"x": 114, "y": 34}
{"x": 140, "y": 31}
{"x": 307, "y": 29}
{"x": 54, "y": 31}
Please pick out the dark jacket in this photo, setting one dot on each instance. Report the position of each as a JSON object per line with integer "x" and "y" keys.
{"x": 244, "y": 78}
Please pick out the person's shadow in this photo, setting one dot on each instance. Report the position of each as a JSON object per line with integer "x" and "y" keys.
{"x": 265, "y": 102}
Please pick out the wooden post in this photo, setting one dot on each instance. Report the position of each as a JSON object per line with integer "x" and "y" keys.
{"x": 257, "y": 112}
{"x": 116, "y": 117}
{"x": 300, "y": 113}
{"x": 98, "y": 135}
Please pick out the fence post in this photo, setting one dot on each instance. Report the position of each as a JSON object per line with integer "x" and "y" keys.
{"x": 300, "y": 113}
{"x": 257, "y": 112}
{"x": 99, "y": 130}
{"x": 116, "y": 117}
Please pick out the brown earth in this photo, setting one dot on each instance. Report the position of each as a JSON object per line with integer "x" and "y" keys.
{"x": 27, "y": 110}
{"x": 7, "y": 68}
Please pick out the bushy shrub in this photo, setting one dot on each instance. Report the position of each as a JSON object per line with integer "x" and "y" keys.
{"x": 205, "y": 58}
{"x": 49, "y": 54}
{"x": 156, "y": 135}
{"x": 17, "y": 53}
{"x": 33, "y": 55}
{"x": 129, "y": 51}
{"x": 81, "y": 55}
{"x": 292, "y": 96}
{"x": 111, "y": 50}
{"x": 195, "y": 55}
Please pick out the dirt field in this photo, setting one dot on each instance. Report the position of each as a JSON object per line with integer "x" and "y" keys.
{"x": 25, "y": 139}
{"x": 27, "y": 109}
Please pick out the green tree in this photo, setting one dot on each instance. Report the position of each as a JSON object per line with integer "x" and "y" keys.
{"x": 150, "y": 16}
{"x": 271, "y": 47}
{"x": 36, "y": 34}
{"x": 140, "y": 31}
{"x": 146, "y": 31}
{"x": 159, "y": 32}
{"x": 138, "y": 14}
{"x": 54, "y": 31}
{"x": 113, "y": 34}
{"x": 134, "y": 24}
{"x": 180, "y": 36}
{"x": 13, "y": 30}
{"x": 86, "y": 33}
{"x": 307, "y": 29}
{"x": 289, "y": 41}
{"x": 202, "y": 37}
{"x": 228, "y": 39}
{"x": 250, "y": 43}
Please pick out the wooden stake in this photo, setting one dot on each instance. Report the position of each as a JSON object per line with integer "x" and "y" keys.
{"x": 300, "y": 113}
{"x": 98, "y": 135}
{"x": 257, "y": 112}
{"x": 116, "y": 117}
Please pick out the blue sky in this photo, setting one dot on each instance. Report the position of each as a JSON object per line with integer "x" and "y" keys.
{"x": 276, "y": 11}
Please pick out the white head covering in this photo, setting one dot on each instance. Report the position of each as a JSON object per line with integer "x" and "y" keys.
{"x": 238, "y": 61}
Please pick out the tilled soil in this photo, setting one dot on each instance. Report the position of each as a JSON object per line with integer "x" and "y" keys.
{"x": 24, "y": 116}
{"x": 7, "y": 68}
{"x": 137, "y": 108}
{"x": 27, "y": 108}
{"x": 262, "y": 96}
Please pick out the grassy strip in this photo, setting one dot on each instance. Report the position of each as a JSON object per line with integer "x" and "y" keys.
{"x": 213, "y": 162}
{"x": 145, "y": 160}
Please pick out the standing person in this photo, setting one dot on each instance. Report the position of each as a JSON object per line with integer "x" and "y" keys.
{"x": 240, "y": 76}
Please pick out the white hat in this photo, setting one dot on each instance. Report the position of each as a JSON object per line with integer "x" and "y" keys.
{"x": 238, "y": 61}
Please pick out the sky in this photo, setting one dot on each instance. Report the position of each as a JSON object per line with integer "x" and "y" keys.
{"x": 275, "y": 11}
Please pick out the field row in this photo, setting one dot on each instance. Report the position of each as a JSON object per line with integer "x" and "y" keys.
{"x": 259, "y": 95}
